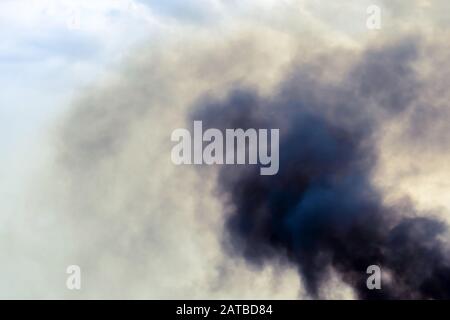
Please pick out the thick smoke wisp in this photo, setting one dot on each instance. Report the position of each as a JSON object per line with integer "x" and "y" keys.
{"x": 322, "y": 210}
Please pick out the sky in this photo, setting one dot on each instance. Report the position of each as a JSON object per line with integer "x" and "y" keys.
{"x": 88, "y": 92}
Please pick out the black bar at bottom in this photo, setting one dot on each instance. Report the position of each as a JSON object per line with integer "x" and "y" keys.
{"x": 225, "y": 309}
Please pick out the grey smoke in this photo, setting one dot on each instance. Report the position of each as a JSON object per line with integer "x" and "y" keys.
{"x": 322, "y": 210}
{"x": 141, "y": 227}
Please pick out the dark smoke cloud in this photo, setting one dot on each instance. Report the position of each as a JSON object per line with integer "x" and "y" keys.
{"x": 322, "y": 209}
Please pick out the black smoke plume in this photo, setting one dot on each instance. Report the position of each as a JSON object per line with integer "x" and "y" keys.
{"x": 322, "y": 210}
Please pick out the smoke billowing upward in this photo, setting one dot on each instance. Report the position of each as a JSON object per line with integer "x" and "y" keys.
{"x": 86, "y": 176}
{"x": 322, "y": 210}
